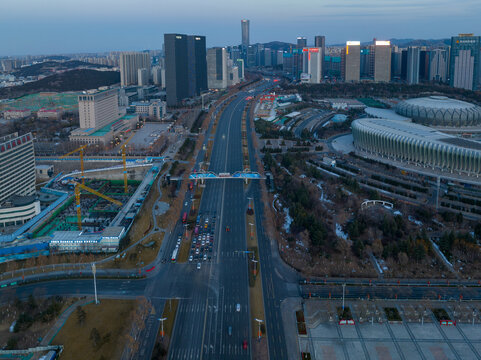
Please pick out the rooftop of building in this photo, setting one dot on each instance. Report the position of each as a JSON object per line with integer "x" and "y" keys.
{"x": 416, "y": 132}
{"x": 438, "y": 102}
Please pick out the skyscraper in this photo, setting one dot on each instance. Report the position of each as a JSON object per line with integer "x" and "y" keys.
{"x": 412, "y": 65}
{"x": 18, "y": 202}
{"x": 185, "y": 66}
{"x": 143, "y": 77}
{"x": 130, "y": 63}
{"x": 438, "y": 65}
{"x": 197, "y": 62}
{"x": 313, "y": 64}
{"x": 217, "y": 68}
{"x": 301, "y": 42}
{"x": 320, "y": 42}
{"x": 382, "y": 61}
{"x": 351, "y": 61}
{"x": 245, "y": 34}
{"x": 465, "y": 62}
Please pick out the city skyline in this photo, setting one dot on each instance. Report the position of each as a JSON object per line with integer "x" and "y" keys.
{"x": 105, "y": 28}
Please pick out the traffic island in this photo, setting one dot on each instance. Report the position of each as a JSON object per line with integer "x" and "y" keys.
{"x": 256, "y": 297}
{"x": 161, "y": 348}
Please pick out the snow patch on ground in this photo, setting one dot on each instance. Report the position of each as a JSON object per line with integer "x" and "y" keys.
{"x": 441, "y": 253}
{"x": 413, "y": 220}
{"x": 323, "y": 197}
{"x": 340, "y": 234}
{"x": 288, "y": 221}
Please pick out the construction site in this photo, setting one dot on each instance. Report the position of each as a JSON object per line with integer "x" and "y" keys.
{"x": 88, "y": 210}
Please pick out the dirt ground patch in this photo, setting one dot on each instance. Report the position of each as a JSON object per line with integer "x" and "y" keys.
{"x": 110, "y": 318}
{"x": 140, "y": 255}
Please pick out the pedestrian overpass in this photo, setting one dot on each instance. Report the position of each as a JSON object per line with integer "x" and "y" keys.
{"x": 208, "y": 175}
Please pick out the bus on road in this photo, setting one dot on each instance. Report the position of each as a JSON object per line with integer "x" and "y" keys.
{"x": 174, "y": 255}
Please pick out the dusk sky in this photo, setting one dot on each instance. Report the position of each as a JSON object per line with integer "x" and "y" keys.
{"x": 54, "y": 26}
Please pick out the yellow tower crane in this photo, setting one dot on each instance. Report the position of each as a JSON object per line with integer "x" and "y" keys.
{"x": 124, "y": 145}
{"x": 80, "y": 150}
{"x": 79, "y": 186}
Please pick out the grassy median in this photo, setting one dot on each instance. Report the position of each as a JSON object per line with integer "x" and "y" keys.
{"x": 161, "y": 347}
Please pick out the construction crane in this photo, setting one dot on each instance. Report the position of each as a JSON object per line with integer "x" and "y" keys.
{"x": 124, "y": 145}
{"x": 81, "y": 151}
{"x": 79, "y": 186}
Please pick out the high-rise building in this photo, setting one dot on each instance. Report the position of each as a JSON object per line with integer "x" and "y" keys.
{"x": 197, "y": 63}
{"x": 185, "y": 66}
{"x": 424, "y": 65}
{"x": 130, "y": 63}
{"x": 98, "y": 108}
{"x": 217, "y": 68}
{"x": 382, "y": 61}
{"x": 18, "y": 202}
{"x": 351, "y": 61}
{"x": 313, "y": 65}
{"x": 412, "y": 65}
{"x": 396, "y": 62}
{"x": 143, "y": 77}
{"x": 240, "y": 67}
{"x": 157, "y": 75}
{"x": 465, "y": 62}
{"x": 301, "y": 42}
{"x": 438, "y": 65}
{"x": 320, "y": 42}
{"x": 245, "y": 34}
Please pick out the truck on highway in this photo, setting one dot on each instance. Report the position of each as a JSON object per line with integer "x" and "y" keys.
{"x": 174, "y": 254}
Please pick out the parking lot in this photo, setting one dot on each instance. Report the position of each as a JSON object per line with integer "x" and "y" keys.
{"x": 420, "y": 335}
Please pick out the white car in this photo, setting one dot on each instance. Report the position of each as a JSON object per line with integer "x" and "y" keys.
{"x": 191, "y": 258}
{"x": 205, "y": 257}
{"x": 198, "y": 266}
{"x": 237, "y": 308}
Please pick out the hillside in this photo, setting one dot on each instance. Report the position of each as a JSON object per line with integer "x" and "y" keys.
{"x": 49, "y": 67}
{"x": 74, "y": 80}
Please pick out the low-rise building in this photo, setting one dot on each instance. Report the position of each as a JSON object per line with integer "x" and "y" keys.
{"x": 52, "y": 114}
{"x": 154, "y": 108}
{"x": 105, "y": 134}
{"x": 78, "y": 241}
{"x": 16, "y": 114}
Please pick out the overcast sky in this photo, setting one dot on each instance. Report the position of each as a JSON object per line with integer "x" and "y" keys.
{"x": 67, "y": 26}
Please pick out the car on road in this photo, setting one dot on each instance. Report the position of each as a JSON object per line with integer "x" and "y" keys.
{"x": 203, "y": 242}
{"x": 205, "y": 257}
{"x": 229, "y": 330}
{"x": 197, "y": 251}
{"x": 237, "y": 308}
{"x": 191, "y": 258}
{"x": 244, "y": 344}
{"x": 198, "y": 266}
{"x": 227, "y": 228}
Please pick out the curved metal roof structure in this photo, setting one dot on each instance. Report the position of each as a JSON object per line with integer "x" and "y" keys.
{"x": 417, "y": 144}
{"x": 440, "y": 111}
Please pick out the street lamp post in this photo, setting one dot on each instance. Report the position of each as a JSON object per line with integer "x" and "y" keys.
{"x": 259, "y": 332}
{"x": 94, "y": 270}
{"x": 162, "y": 326}
{"x": 343, "y": 293}
{"x": 255, "y": 266}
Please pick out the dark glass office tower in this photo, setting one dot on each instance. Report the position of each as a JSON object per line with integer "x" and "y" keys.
{"x": 185, "y": 66}
{"x": 197, "y": 59}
